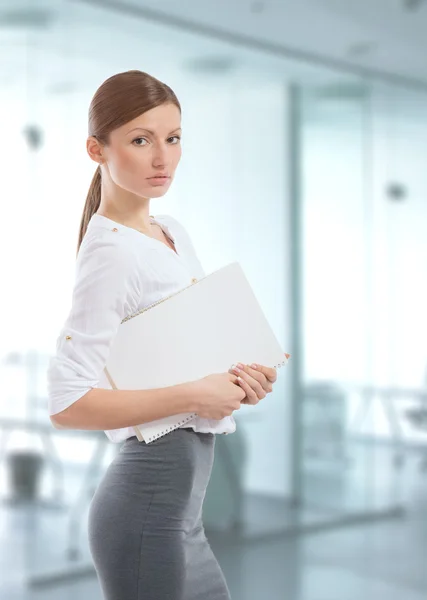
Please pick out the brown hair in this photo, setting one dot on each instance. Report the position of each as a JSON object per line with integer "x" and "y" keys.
{"x": 120, "y": 99}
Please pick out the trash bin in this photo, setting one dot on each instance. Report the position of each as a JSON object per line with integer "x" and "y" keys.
{"x": 24, "y": 473}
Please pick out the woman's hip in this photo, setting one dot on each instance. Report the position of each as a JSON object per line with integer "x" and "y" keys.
{"x": 162, "y": 483}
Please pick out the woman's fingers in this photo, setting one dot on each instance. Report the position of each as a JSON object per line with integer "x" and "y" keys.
{"x": 264, "y": 375}
{"x": 260, "y": 377}
{"x": 256, "y": 380}
{"x": 269, "y": 373}
{"x": 253, "y": 396}
{"x": 257, "y": 386}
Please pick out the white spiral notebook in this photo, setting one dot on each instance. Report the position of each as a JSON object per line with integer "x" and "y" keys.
{"x": 200, "y": 330}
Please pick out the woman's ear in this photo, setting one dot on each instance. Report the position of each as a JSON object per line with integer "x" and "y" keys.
{"x": 94, "y": 149}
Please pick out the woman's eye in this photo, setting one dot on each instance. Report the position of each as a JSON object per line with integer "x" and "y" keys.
{"x": 138, "y": 139}
{"x": 175, "y": 137}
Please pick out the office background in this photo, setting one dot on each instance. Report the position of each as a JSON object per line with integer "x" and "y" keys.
{"x": 304, "y": 149}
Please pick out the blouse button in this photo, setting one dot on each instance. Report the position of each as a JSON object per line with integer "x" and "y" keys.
{"x": 115, "y": 229}
{"x": 194, "y": 280}
{"x": 68, "y": 337}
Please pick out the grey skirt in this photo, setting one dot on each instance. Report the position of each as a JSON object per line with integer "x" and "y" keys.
{"x": 145, "y": 528}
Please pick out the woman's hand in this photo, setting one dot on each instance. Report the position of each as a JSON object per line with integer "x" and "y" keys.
{"x": 255, "y": 380}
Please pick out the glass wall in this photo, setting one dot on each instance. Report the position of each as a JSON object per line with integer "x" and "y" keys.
{"x": 363, "y": 222}
{"x": 336, "y": 264}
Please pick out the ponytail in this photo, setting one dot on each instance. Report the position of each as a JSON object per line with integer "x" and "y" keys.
{"x": 93, "y": 201}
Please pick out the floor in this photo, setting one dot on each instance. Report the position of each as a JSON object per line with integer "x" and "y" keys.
{"x": 384, "y": 560}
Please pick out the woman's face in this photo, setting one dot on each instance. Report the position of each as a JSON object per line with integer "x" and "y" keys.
{"x": 143, "y": 154}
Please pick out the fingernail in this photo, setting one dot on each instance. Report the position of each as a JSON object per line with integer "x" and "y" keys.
{"x": 240, "y": 365}
{"x": 253, "y": 365}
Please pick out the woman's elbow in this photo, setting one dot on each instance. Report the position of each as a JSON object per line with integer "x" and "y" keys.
{"x": 71, "y": 416}
{"x": 67, "y": 418}
{"x": 57, "y": 421}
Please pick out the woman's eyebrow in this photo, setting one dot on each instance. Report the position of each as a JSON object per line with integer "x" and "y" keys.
{"x": 151, "y": 132}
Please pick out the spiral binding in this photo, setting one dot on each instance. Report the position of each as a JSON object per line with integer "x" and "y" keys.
{"x": 142, "y": 310}
{"x": 171, "y": 428}
{"x": 281, "y": 364}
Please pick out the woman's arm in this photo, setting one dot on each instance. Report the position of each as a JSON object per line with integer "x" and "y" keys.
{"x": 103, "y": 409}
{"x": 107, "y": 288}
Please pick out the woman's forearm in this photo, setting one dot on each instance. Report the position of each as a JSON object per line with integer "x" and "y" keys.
{"x": 102, "y": 409}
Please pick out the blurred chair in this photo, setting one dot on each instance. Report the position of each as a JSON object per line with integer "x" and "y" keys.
{"x": 417, "y": 416}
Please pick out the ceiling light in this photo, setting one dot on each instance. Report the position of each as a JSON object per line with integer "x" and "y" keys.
{"x": 361, "y": 49}
{"x": 212, "y": 64}
{"x": 26, "y": 18}
{"x": 412, "y": 5}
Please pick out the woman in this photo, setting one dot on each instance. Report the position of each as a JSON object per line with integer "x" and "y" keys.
{"x": 145, "y": 525}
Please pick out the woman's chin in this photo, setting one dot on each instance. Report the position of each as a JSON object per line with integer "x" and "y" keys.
{"x": 155, "y": 192}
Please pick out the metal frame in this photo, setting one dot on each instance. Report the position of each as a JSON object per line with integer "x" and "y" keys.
{"x": 295, "y": 230}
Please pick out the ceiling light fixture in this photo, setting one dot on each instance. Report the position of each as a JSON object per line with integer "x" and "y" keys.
{"x": 361, "y": 49}
{"x": 412, "y": 5}
{"x": 257, "y": 7}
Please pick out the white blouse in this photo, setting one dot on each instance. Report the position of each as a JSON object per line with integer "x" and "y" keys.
{"x": 119, "y": 271}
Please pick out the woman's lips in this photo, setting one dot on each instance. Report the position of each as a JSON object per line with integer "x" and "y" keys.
{"x": 158, "y": 180}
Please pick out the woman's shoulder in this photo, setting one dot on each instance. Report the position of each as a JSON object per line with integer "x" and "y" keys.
{"x": 107, "y": 265}
{"x": 106, "y": 245}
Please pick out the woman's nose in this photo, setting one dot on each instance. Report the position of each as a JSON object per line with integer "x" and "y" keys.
{"x": 160, "y": 156}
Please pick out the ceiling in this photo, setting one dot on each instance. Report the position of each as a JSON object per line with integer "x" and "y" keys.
{"x": 69, "y": 43}
{"x": 380, "y": 35}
